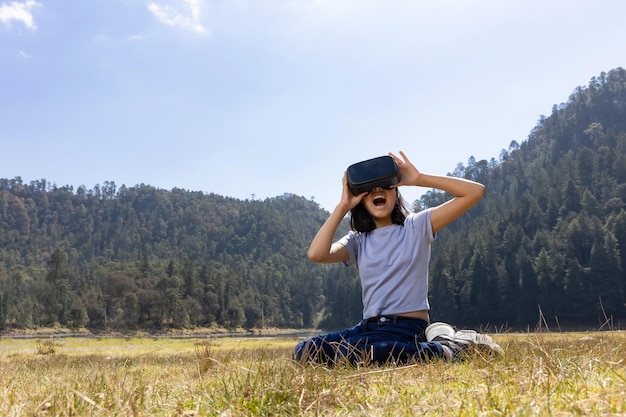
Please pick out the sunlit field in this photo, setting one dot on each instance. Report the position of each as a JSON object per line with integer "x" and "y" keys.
{"x": 540, "y": 374}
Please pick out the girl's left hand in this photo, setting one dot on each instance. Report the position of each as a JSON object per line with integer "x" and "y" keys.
{"x": 409, "y": 175}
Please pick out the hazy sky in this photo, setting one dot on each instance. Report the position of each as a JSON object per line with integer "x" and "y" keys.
{"x": 265, "y": 97}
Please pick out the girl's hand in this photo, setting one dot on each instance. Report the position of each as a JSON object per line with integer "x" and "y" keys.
{"x": 349, "y": 200}
{"x": 409, "y": 175}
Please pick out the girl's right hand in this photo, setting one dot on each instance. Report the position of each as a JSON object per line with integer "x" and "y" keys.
{"x": 349, "y": 200}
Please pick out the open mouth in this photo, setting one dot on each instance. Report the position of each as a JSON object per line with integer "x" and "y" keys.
{"x": 379, "y": 201}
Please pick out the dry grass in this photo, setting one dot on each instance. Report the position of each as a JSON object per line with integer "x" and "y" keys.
{"x": 541, "y": 374}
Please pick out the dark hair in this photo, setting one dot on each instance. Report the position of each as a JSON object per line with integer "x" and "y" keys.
{"x": 362, "y": 221}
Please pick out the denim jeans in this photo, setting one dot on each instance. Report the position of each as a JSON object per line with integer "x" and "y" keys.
{"x": 375, "y": 342}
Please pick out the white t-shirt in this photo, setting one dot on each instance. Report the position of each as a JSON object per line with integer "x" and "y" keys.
{"x": 393, "y": 265}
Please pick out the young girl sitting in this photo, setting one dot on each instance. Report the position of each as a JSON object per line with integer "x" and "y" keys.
{"x": 391, "y": 249}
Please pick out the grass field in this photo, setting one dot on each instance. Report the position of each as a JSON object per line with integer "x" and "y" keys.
{"x": 543, "y": 374}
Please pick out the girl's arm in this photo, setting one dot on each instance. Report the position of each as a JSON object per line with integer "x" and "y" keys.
{"x": 466, "y": 193}
{"x": 322, "y": 248}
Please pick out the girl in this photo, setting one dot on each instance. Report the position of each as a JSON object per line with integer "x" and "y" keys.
{"x": 391, "y": 249}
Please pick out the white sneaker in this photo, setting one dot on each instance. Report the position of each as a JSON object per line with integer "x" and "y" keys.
{"x": 461, "y": 342}
{"x": 480, "y": 341}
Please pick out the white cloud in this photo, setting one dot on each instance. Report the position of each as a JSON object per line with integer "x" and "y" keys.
{"x": 185, "y": 13}
{"x": 24, "y": 55}
{"x": 20, "y": 12}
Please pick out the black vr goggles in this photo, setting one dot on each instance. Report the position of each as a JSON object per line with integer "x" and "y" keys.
{"x": 377, "y": 172}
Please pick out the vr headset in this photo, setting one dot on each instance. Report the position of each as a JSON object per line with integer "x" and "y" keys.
{"x": 377, "y": 172}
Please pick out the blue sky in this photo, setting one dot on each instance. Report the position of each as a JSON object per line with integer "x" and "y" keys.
{"x": 263, "y": 97}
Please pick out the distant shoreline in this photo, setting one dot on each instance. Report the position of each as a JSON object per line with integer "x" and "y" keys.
{"x": 174, "y": 333}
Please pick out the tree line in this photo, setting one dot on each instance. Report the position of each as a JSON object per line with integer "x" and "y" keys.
{"x": 546, "y": 244}
{"x": 143, "y": 258}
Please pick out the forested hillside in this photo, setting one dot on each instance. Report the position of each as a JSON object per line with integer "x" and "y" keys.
{"x": 549, "y": 238}
{"x": 548, "y": 242}
{"x": 144, "y": 258}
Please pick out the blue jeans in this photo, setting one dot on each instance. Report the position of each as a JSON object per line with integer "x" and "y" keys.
{"x": 371, "y": 341}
